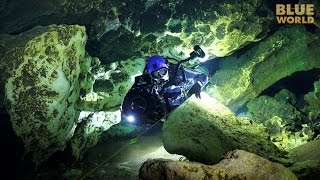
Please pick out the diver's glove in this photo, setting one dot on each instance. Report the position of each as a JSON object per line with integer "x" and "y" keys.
{"x": 196, "y": 89}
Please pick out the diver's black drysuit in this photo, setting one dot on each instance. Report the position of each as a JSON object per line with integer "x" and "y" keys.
{"x": 149, "y": 99}
{"x": 183, "y": 82}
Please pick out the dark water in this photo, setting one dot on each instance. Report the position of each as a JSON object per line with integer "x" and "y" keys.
{"x": 11, "y": 147}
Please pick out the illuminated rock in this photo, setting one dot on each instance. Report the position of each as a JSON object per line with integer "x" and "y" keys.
{"x": 203, "y": 130}
{"x": 100, "y": 106}
{"x": 120, "y": 30}
{"x": 287, "y": 127}
{"x": 89, "y": 129}
{"x": 241, "y": 79}
{"x": 237, "y": 164}
{"x": 111, "y": 83}
{"x": 284, "y": 137}
{"x": 219, "y": 27}
{"x": 40, "y": 71}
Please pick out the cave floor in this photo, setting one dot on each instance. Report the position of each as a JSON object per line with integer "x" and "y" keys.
{"x": 120, "y": 159}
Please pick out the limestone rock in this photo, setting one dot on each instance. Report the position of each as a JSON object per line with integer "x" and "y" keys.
{"x": 284, "y": 138}
{"x": 40, "y": 70}
{"x": 229, "y": 26}
{"x": 100, "y": 106}
{"x": 237, "y": 164}
{"x": 204, "y": 130}
{"x": 111, "y": 83}
{"x": 306, "y": 160}
{"x": 122, "y": 130}
{"x": 285, "y": 95}
{"x": 89, "y": 129}
{"x": 240, "y": 79}
{"x": 266, "y": 107}
{"x": 119, "y": 30}
{"x": 283, "y": 121}
{"x": 313, "y": 103}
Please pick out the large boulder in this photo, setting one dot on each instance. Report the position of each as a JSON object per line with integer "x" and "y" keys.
{"x": 237, "y": 164}
{"x": 244, "y": 76}
{"x": 204, "y": 130}
{"x": 40, "y": 70}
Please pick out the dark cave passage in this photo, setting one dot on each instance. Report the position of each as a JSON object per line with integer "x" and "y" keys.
{"x": 299, "y": 83}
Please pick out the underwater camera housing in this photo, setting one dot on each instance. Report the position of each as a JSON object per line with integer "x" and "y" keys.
{"x": 140, "y": 106}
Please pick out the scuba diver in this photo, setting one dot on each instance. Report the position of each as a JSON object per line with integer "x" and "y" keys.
{"x": 162, "y": 87}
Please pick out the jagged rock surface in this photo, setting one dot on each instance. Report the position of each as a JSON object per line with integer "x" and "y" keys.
{"x": 237, "y": 164}
{"x": 266, "y": 107}
{"x": 285, "y": 123}
{"x": 147, "y": 27}
{"x": 286, "y": 138}
{"x": 89, "y": 129}
{"x": 204, "y": 130}
{"x": 313, "y": 103}
{"x": 100, "y": 104}
{"x": 110, "y": 85}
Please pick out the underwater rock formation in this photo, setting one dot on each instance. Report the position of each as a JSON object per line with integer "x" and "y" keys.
{"x": 237, "y": 164}
{"x": 312, "y": 108}
{"x": 229, "y": 26}
{"x": 89, "y": 129}
{"x": 110, "y": 85}
{"x": 120, "y": 30}
{"x": 306, "y": 160}
{"x": 100, "y": 104}
{"x": 286, "y": 125}
{"x": 288, "y": 50}
{"x": 40, "y": 70}
{"x": 286, "y": 138}
{"x": 204, "y": 130}
{"x": 265, "y": 107}
{"x": 122, "y": 130}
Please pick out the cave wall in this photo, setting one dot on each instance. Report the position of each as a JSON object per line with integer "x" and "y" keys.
{"x": 119, "y": 30}
{"x": 40, "y": 70}
{"x": 255, "y": 53}
{"x": 243, "y": 76}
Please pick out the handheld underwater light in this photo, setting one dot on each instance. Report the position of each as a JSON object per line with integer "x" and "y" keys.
{"x": 131, "y": 118}
{"x": 199, "y": 54}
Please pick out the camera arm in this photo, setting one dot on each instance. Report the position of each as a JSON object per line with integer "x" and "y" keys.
{"x": 198, "y": 52}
